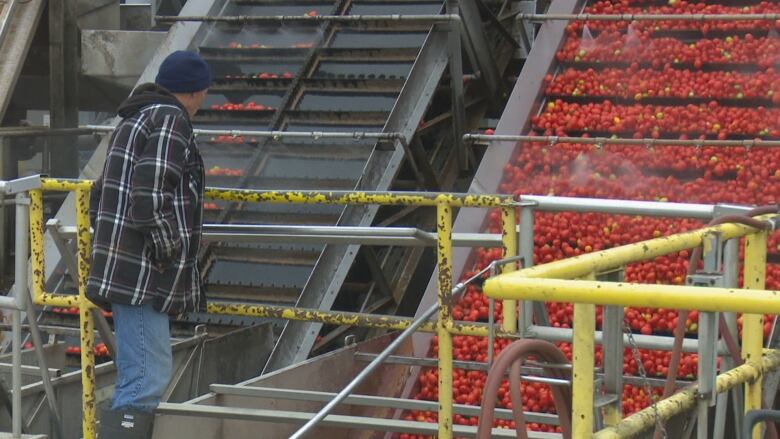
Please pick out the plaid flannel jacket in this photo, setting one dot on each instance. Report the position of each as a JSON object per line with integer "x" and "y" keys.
{"x": 147, "y": 209}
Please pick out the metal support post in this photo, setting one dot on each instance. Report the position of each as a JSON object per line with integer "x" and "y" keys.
{"x": 613, "y": 362}
{"x": 582, "y": 368}
{"x": 64, "y": 64}
{"x": 707, "y": 334}
{"x": 509, "y": 237}
{"x": 86, "y": 321}
{"x": 16, "y": 374}
{"x": 444, "y": 262}
{"x": 456, "y": 85}
{"x": 753, "y": 324}
{"x": 21, "y": 249}
{"x": 730, "y": 280}
{"x": 526, "y": 250}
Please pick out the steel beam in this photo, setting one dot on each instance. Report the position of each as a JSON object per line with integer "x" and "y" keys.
{"x": 370, "y": 401}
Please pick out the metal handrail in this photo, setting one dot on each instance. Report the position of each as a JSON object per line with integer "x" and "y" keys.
{"x": 433, "y": 19}
{"x": 648, "y": 142}
{"x": 275, "y": 135}
{"x": 647, "y": 17}
{"x": 397, "y": 18}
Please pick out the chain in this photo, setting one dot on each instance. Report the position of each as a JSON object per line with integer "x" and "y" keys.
{"x": 643, "y": 374}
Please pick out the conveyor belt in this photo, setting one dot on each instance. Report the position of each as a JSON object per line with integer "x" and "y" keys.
{"x": 305, "y": 77}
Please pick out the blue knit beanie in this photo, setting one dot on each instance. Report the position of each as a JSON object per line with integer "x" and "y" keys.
{"x": 184, "y": 72}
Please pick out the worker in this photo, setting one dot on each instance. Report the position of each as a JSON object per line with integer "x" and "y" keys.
{"x": 147, "y": 209}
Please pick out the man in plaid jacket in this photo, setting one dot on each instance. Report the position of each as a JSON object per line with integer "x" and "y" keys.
{"x": 147, "y": 211}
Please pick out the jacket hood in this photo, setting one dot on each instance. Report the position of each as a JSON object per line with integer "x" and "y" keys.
{"x": 145, "y": 95}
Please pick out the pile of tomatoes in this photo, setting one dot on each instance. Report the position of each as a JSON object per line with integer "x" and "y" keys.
{"x": 625, "y": 66}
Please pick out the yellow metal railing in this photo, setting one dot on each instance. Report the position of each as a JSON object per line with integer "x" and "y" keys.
{"x": 444, "y": 327}
{"x": 572, "y": 280}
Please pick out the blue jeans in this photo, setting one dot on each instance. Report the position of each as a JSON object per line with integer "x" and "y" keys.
{"x": 143, "y": 358}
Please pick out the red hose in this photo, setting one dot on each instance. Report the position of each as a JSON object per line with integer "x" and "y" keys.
{"x": 513, "y": 356}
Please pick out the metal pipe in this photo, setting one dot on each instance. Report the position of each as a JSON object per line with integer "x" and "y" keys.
{"x": 648, "y": 142}
{"x": 621, "y": 207}
{"x": 544, "y": 203}
{"x": 342, "y": 318}
{"x": 685, "y": 399}
{"x": 526, "y": 250}
{"x": 20, "y": 271}
{"x": 359, "y": 198}
{"x": 9, "y": 302}
{"x": 509, "y": 237}
{"x": 410, "y": 18}
{"x": 36, "y": 244}
{"x": 322, "y": 197}
{"x": 583, "y": 361}
{"x": 37, "y": 258}
{"x": 753, "y": 324}
{"x": 647, "y": 17}
{"x": 275, "y": 135}
{"x": 43, "y": 132}
{"x": 408, "y": 235}
{"x": 301, "y": 432}
{"x": 22, "y": 296}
